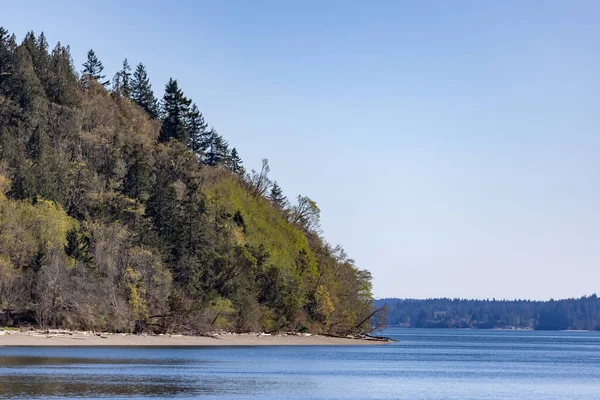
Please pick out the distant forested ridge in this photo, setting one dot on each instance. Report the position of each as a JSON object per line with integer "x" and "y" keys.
{"x": 123, "y": 212}
{"x": 582, "y": 313}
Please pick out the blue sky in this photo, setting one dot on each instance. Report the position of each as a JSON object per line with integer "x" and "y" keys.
{"x": 453, "y": 147}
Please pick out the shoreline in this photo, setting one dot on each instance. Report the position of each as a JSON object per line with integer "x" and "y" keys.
{"x": 495, "y": 329}
{"x": 82, "y": 339}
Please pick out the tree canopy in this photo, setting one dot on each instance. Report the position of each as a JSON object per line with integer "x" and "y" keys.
{"x": 119, "y": 213}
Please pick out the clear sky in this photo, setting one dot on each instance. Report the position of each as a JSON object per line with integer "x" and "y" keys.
{"x": 453, "y": 147}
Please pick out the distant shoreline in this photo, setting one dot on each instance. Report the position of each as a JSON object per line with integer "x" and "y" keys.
{"x": 494, "y": 329}
{"x": 90, "y": 339}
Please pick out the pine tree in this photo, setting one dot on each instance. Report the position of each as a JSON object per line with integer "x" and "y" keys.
{"x": 137, "y": 183}
{"x": 37, "y": 144}
{"x": 62, "y": 85}
{"x": 175, "y": 111}
{"x": 116, "y": 85}
{"x": 141, "y": 91}
{"x": 93, "y": 68}
{"x": 42, "y": 43}
{"x": 30, "y": 42}
{"x": 42, "y": 60}
{"x": 6, "y": 58}
{"x": 5, "y": 53}
{"x": 218, "y": 150}
{"x": 125, "y": 77}
{"x": 38, "y": 49}
{"x": 199, "y": 136}
{"x": 121, "y": 83}
{"x": 78, "y": 243}
{"x": 235, "y": 162}
{"x": 25, "y": 85}
{"x": 276, "y": 196}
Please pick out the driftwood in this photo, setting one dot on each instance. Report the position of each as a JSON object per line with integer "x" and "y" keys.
{"x": 381, "y": 338}
{"x": 365, "y": 336}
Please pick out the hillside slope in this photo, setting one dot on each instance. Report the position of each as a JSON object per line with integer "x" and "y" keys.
{"x": 117, "y": 214}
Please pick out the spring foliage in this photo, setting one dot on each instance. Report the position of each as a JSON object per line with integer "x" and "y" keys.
{"x": 118, "y": 215}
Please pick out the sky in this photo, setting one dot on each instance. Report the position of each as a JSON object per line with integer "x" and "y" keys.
{"x": 453, "y": 147}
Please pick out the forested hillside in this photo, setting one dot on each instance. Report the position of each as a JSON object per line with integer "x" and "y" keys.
{"x": 582, "y": 313}
{"x": 126, "y": 213}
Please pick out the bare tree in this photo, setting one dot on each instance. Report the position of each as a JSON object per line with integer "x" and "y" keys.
{"x": 50, "y": 290}
{"x": 259, "y": 181}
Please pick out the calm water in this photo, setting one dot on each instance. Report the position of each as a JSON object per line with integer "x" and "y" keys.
{"x": 424, "y": 364}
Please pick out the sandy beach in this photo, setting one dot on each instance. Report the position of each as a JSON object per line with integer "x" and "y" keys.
{"x": 90, "y": 339}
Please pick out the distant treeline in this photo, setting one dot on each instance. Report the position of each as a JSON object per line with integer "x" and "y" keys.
{"x": 581, "y": 313}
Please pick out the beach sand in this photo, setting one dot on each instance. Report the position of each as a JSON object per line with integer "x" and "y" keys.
{"x": 90, "y": 339}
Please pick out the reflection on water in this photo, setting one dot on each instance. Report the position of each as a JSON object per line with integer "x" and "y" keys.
{"x": 426, "y": 364}
{"x": 27, "y": 386}
{"x": 29, "y": 360}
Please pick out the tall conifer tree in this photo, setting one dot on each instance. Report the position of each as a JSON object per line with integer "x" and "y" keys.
{"x": 235, "y": 162}
{"x": 276, "y": 196}
{"x": 218, "y": 150}
{"x": 6, "y": 58}
{"x": 141, "y": 91}
{"x": 125, "y": 75}
{"x": 93, "y": 68}
{"x": 175, "y": 113}
{"x": 62, "y": 80}
{"x": 199, "y": 135}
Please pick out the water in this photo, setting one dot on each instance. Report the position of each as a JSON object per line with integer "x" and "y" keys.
{"x": 424, "y": 364}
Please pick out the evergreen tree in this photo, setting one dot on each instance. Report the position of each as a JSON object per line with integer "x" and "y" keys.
{"x": 93, "y": 68}
{"x": 37, "y": 144}
{"x": 30, "y": 42}
{"x": 42, "y": 43}
{"x": 4, "y": 47}
{"x": 42, "y": 59}
{"x": 7, "y": 45}
{"x": 199, "y": 136}
{"x": 116, "y": 85}
{"x": 235, "y": 162}
{"x": 276, "y": 196}
{"x": 38, "y": 49}
{"x": 25, "y": 86}
{"x": 22, "y": 186}
{"x": 122, "y": 81}
{"x": 62, "y": 86}
{"x": 218, "y": 150}
{"x": 78, "y": 242}
{"x": 164, "y": 209}
{"x": 141, "y": 91}
{"x": 125, "y": 79}
{"x": 137, "y": 179}
{"x": 5, "y": 53}
{"x": 175, "y": 113}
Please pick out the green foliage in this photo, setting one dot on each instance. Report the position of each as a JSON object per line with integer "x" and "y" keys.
{"x": 575, "y": 313}
{"x": 306, "y": 214}
{"x": 141, "y": 91}
{"x": 234, "y": 163}
{"x": 264, "y": 225}
{"x": 198, "y": 136}
{"x": 137, "y": 180}
{"x": 123, "y": 81}
{"x": 78, "y": 243}
{"x": 176, "y": 108}
{"x": 62, "y": 87}
{"x": 92, "y": 68}
{"x": 112, "y": 219}
{"x": 217, "y": 150}
{"x": 276, "y": 196}
{"x": 28, "y": 228}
